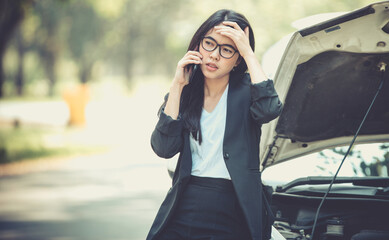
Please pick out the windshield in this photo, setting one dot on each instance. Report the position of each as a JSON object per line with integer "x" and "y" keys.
{"x": 364, "y": 160}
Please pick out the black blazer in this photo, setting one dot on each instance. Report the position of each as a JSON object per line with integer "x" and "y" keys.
{"x": 248, "y": 107}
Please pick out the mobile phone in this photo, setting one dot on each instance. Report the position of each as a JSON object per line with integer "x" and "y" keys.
{"x": 194, "y": 70}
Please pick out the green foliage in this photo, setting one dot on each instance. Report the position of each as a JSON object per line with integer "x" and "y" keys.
{"x": 85, "y": 30}
{"x": 141, "y": 37}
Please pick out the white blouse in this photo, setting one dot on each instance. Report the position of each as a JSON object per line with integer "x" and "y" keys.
{"x": 207, "y": 158}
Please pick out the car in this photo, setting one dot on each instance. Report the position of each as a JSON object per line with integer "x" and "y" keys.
{"x": 326, "y": 157}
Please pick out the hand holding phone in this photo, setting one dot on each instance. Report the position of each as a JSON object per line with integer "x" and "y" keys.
{"x": 187, "y": 67}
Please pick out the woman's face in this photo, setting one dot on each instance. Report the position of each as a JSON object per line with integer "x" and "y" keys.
{"x": 214, "y": 65}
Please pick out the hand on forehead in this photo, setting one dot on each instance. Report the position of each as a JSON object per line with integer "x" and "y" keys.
{"x": 220, "y": 38}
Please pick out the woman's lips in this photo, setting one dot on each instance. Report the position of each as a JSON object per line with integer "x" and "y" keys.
{"x": 211, "y": 67}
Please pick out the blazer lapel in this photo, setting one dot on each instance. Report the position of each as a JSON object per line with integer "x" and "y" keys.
{"x": 235, "y": 101}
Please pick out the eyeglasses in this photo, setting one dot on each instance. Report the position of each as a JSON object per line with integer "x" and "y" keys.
{"x": 226, "y": 51}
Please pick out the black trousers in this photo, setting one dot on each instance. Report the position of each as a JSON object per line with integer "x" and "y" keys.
{"x": 207, "y": 210}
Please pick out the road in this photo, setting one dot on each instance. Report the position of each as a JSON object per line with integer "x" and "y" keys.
{"x": 93, "y": 197}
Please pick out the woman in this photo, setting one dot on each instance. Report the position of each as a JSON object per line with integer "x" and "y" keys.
{"x": 214, "y": 122}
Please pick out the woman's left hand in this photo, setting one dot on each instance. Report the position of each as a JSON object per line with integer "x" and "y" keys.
{"x": 240, "y": 37}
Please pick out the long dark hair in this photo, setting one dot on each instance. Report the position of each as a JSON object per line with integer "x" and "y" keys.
{"x": 192, "y": 97}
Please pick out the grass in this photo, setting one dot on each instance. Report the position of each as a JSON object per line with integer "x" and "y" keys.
{"x": 36, "y": 142}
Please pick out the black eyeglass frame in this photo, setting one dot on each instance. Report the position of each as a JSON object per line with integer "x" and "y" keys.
{"x": 218, "y": 45}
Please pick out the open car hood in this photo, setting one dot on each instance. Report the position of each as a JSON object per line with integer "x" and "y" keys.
{"x": 327, "y": 78}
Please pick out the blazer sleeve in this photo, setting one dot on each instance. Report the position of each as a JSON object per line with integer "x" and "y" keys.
{"x": 265, "y": 104}
{"x": 167, "y": 138}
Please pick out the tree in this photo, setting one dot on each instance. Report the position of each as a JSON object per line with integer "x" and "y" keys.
{"x": 11, "y": 13}
{"x": 48, "y": 47}
{"x": 84, "y": 37}
{"x": 21, "y": 49}
{"x": 138, "y": 34}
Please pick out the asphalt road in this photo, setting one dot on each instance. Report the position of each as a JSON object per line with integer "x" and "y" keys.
{"x": 94, "y": 197}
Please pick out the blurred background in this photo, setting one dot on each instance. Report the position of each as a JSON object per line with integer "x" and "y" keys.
{"x": 80, "y": 86}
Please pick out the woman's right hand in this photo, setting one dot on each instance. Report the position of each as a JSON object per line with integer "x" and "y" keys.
{"x": 181, "y": 79}
{"x": 182, "y": 72}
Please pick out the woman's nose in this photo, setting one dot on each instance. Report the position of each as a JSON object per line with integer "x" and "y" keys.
{"x": 215, "y": 53}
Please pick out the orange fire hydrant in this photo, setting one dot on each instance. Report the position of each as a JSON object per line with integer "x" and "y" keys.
{"x": 77, "y": 99}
